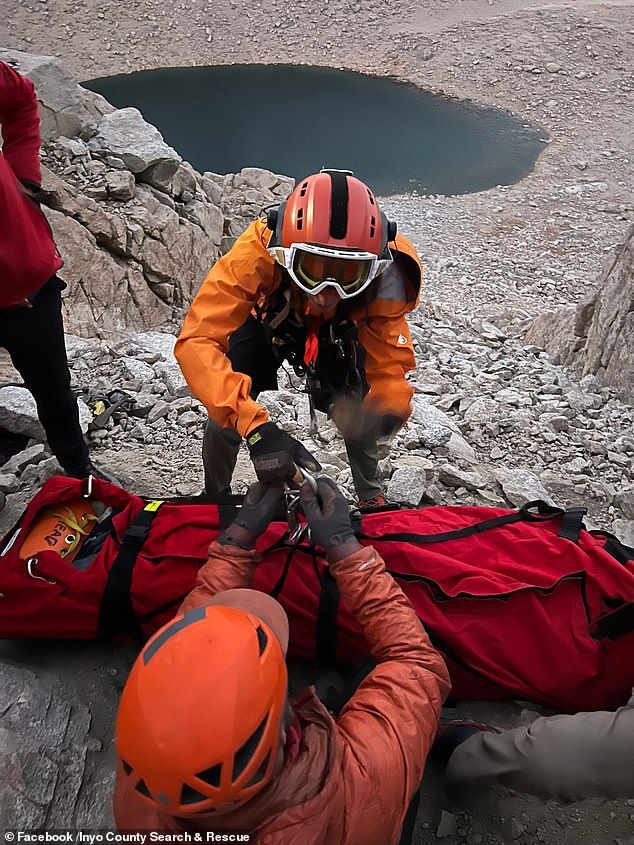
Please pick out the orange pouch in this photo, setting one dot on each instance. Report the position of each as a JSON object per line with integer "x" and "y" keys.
{"x": 61, "y": 529}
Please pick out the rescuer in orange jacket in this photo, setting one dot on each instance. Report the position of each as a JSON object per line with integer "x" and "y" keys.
{"x": 206, "y": 738}
{"x": 324, "y": 282}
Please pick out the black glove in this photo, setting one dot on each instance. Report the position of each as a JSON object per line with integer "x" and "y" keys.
{"x": 276, "y": 455}
{"x": 453, "y": 734}
{"x": 329, "y": 519}
{"x": 260, "y": 506}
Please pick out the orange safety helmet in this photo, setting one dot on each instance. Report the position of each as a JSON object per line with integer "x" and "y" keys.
{"x": 330, "y": 231}
{"x": 199, "y": 721}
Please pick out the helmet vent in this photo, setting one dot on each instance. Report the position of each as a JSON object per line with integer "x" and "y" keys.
{"x": 245, "y": 754}
{"x": 303, "y": 189}
{"x": 196, "y": 615}
{"x": 300, "y": 218}
{"x": 372, "y": 226}
{"x": 262, "y": 639}
{"x": 191, "y": 796}
{"x": 127, "y": 768}
{"x": 371, "y": 198}
{"x": 257, "y": 777}
{"x": 142, "y": 788}
{"x": 211, "y": 776}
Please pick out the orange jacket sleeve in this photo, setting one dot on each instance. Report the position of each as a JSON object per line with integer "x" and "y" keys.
{"x": 389, "y": 724}
{"x": 389, "y": 357}
{"x": 233, "y": 286}
{"x": 227, "y": 568}
{"x": 385, "y": 335}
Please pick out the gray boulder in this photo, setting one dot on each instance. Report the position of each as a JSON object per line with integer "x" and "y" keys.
{"x": 407, "y": 485}
{"x": 47, "y": 779}
{"x": 521, "y": 486}
{"x": 65, "y": 107}
{"x": 136, "y": 142}
{"x": 597, "y": 337}
{"x": 18, "y": 412}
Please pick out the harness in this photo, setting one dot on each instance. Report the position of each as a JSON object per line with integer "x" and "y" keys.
{"x": 326, "y": 353}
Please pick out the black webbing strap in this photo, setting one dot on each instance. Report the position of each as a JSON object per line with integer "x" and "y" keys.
{"x": 276, "y": 589}
{"x": 469, "y": 531}
{"x": 326, "y": 618}
{"x": 614, "y": 547}
{"x": 571, "y": 525}
{"x": 617, "y": 623}
{"x": 116, "y": 615}
{"x": 228, "y": 505}
{"x": 326, "y": 622}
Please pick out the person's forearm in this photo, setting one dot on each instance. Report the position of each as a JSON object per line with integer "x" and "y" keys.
{"x": 227, "y": 568}
{"x": 388, "y": 620}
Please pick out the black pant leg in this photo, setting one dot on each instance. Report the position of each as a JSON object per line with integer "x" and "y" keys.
{"x": 250, "y": 353}
{"x": 409, "y": 821}
{"x": 34, "y": 338}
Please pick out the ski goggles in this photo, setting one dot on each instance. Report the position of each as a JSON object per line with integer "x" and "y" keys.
{"x": 314, "y": 267}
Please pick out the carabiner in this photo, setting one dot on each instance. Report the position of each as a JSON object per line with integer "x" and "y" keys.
{"x": 30, "y": 564}
{"x": 310, "y": 479}
{"x": 291, "y": 500}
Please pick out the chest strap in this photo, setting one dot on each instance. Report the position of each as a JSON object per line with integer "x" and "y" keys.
{"x": 116, "y": 614}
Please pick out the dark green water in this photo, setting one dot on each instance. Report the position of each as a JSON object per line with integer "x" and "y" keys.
{"x": 296, "y": 119}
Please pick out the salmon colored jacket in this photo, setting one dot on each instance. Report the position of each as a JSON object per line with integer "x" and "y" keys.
{"x": 354, "y": 776}
{"x": 247, "y": 275}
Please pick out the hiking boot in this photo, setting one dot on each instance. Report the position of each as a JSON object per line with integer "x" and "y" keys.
{"x": 376, "y": 502}
{"x": 452, "y": 734}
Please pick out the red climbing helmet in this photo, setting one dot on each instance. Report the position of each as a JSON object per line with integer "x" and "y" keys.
{"x": 330, "y": 232}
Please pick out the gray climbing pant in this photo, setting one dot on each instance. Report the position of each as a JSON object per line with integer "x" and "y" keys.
{"x": 220, "y": 452}
{"x": 564, "y": 758}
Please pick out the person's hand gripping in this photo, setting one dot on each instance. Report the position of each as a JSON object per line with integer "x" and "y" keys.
{"x": 261, "y": 504}
{"x": 276, "y": 455}
{"x": 328, "y": 517}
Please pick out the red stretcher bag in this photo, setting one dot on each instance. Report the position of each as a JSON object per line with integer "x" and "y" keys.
{"x": 523, "y": 604}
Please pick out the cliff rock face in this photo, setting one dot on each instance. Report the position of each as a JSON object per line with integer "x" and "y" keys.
{"x": 597, "y": 337}
{"x": 609, "y": 326}
{"x": 137, "y": 227}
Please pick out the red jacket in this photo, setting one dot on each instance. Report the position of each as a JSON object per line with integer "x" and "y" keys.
{"x": 28, "y": 255}
{"x": 354, "y": 776}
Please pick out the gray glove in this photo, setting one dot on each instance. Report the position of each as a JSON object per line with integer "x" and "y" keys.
{"x": 358, "y": 424}
{"x": 260, "y": 506}
{"x": 329, "y": 519}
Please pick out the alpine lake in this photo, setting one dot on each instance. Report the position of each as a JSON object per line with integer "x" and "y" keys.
{"x": 296, "y": 119}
